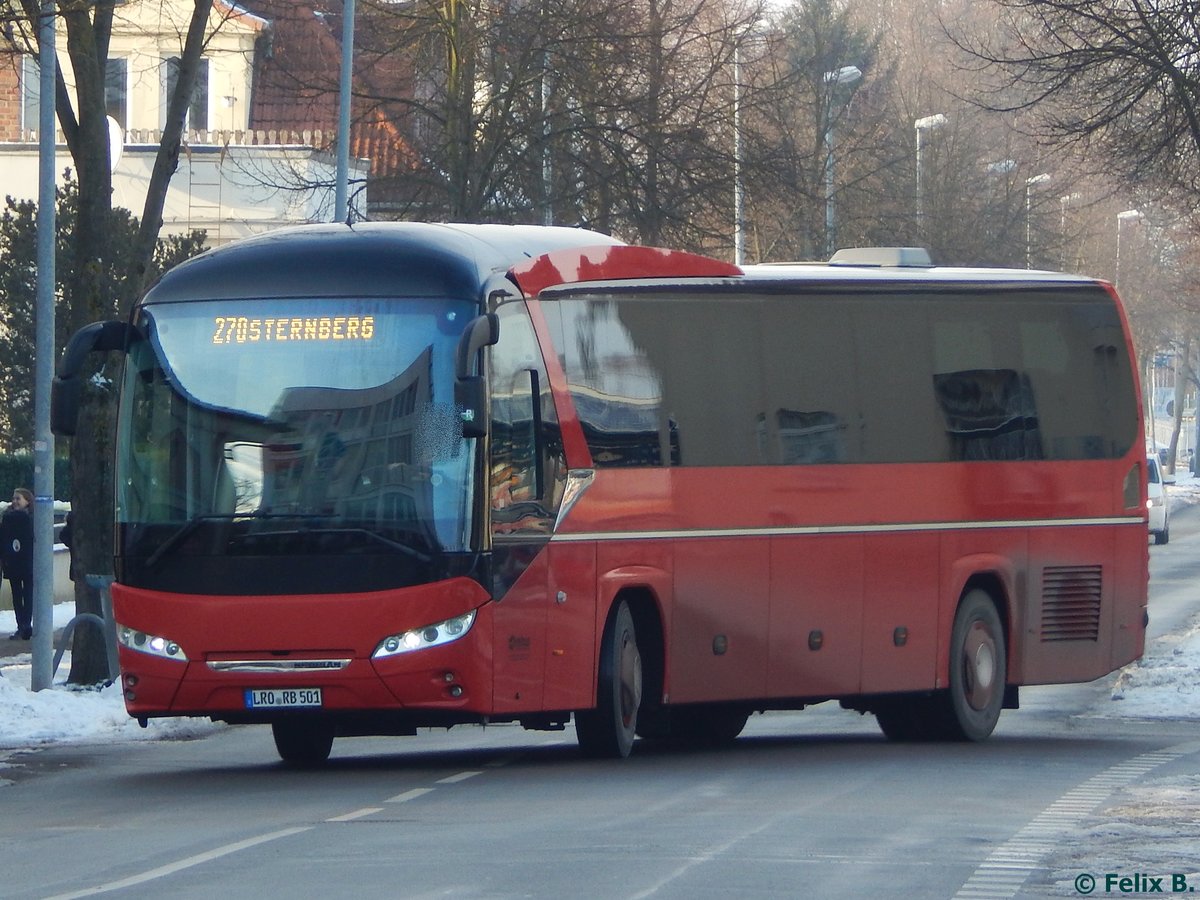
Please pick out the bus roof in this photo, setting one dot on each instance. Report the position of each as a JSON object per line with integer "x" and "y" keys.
{"x": 367, "y": 259}
{"x": 832, "y": 272}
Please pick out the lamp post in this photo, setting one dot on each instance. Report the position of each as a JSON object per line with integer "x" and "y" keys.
{"x": 846, "y": 75}
{"x": 1135, "y": 215}
{"x": 1128, "y": 215}
{"x": 739, "y": 220}
{"x": 923, "y": 124}
{"x": 1030, "y": 184}
{"x": 1065, "y": 202}
{"x": 342, "y": 186}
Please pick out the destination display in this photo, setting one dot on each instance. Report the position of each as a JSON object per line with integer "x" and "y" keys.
{"x": 246, "y": 330}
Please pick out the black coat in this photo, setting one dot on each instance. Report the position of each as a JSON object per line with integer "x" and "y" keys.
{"x": 16, "y": 543}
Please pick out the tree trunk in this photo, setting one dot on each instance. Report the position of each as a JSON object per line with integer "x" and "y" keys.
{"x": 91, "y": 503}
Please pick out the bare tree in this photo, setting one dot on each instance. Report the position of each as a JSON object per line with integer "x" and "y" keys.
{"x": 1121, "y": 77}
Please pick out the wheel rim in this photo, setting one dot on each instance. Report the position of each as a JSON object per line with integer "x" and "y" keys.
{"x": 629, "y": 681}
{"x": 979, "y": 666}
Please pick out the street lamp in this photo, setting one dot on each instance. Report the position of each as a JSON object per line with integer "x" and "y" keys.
{"x": 923, "y": 124}
{"x": 1030, "y": 184}
{"x": 739, "y": 194}
{"x": 341, "y": 193}
{"x": 1128, "y": 215}
{"x": 1064, "y": 202}
{"x": 739, "y": 202}
{"x": 846, "y": 75}
{"x": 1135, "y": 215}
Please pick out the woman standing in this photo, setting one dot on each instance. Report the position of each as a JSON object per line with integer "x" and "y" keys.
{"x": 16, "y": 555}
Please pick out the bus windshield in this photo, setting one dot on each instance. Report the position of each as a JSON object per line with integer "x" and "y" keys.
{"x": 294, "y": 427}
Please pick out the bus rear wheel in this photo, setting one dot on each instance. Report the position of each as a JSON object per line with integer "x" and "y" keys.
{"x": 303, "y": 742}
{"x": 978, "y": 670}
{"x": 610, "y": 728}
{"x": 909, "y": 717}
{"x": 708, "y": 724}
{"x": 970, "y": 708}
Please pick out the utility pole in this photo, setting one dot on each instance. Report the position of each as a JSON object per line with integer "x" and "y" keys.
{"x": 43, "y": 441}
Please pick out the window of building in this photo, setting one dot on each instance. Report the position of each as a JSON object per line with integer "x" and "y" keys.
{"x": 31, "y": 93}
{"x": 197, "y": 114}
{"x": 116, "y": 90}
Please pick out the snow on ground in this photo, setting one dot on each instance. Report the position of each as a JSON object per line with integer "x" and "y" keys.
{"x": 1164, "y": 684}
{"x": 65, "y": 714}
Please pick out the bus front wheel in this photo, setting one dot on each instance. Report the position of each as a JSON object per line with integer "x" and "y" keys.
{"x": 609, "y": 729}
{"x": 303, "y": 742}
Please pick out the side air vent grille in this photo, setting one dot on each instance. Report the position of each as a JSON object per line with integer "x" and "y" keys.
{"x": 1071, "y": 603}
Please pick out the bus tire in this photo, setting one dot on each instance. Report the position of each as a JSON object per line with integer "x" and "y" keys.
{"x": 978, "y": 670}
{"x": 608, "y": 730}
{"x": 303, "y": 742}
{"x": 907, "y": 717}
{"x": 708, "y": 725}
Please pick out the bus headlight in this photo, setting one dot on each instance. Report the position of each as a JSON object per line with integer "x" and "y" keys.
{"x": 428, "y": 636}
{"x": 153, "y": 644}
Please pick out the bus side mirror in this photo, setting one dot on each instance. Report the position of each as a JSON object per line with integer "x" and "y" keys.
{"x": 99, "y": 337}
{"x": 470, "y": 389}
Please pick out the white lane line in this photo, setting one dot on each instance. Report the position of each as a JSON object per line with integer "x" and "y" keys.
{"x": 409, "y": 795}
{"x": 357, "y": 814}
{"x": 454, "y": 779}
{"x": 187, "y": 863}
{"x": 1022, "y": 854}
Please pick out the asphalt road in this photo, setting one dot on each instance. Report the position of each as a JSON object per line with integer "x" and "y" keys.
{"x": 814, "y": 803}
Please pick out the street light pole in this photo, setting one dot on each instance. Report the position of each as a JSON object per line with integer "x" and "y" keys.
{"x": 846, "y": 75}
{"x": 739, "y": 221}
{"x": 923, "y": 124}
{"x": 42, "y": 672}
{"x": 1135, "y": 215}
{"x": 1030, "y": 184}
{"x": 342, "y": 187}
{"x": 1128, "y": 215}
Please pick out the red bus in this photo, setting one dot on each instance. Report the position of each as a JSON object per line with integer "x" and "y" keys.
{"x": 390, "y": 476}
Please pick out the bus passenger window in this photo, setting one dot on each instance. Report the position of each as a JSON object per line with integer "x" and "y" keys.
{"x": 990, "y": 414}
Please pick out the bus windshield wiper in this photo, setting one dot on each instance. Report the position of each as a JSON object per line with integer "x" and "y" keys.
{"x": 186, "y": 529}
{"x": 406, "y": 549}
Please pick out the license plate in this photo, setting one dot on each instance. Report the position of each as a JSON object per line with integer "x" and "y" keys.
{"x": 282, "y": 698}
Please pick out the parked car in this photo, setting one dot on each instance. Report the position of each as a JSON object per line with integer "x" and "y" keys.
{"x": 1156, "y": 500}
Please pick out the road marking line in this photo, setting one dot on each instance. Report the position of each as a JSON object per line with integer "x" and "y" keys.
{"x": 454, "y": 779}
{"x": 409, "y": 795}
{"x": 1047, "y": 829}
{"x": 172, "y": 868}
{"x": 357, "y": 814}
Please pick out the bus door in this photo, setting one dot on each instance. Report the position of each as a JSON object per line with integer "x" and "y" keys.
{"x": 527, "y": 473}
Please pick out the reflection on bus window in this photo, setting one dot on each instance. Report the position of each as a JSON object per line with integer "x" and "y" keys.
{"x": 990, "y": 414}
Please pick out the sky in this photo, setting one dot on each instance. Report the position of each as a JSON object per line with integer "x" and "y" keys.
{"x": 1164, "y": 684}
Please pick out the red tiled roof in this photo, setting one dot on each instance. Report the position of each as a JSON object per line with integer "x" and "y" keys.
{"x": 296, "y": 87}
